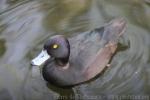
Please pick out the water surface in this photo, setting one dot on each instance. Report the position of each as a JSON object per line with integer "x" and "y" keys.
{"x": 26, "y": 24}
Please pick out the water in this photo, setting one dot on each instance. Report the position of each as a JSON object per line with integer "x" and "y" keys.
{"x": 26, "y": 24}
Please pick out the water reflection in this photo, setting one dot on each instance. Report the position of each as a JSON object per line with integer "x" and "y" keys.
{"x": 63, "y": 15}
{"x": 25, "y": 26}
{"x": 2, "y": 47}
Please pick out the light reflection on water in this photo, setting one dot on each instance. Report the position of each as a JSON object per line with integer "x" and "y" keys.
{"x": 25, "y": 25}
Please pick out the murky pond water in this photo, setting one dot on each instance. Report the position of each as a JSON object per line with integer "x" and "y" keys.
{"x": 26, "y": 24}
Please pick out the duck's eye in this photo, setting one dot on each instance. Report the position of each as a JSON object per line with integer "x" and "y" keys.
{"x": 55, "y": 46}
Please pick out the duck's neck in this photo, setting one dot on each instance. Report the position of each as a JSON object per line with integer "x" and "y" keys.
{"x": 62, "y": 62}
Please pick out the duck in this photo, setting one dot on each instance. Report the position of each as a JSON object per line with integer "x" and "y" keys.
{"x": 70, "y": 61}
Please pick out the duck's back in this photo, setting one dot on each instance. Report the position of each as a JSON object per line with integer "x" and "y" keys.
{"x": 84, "y": 46}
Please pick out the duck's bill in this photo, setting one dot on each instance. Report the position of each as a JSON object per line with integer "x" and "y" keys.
{"x": 40, "y": 59}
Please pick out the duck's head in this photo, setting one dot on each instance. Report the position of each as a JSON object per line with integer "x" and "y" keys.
{"x": 57, "y": 47}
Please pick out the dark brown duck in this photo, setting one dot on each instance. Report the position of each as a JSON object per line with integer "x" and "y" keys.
{"x": 72, "y": 61}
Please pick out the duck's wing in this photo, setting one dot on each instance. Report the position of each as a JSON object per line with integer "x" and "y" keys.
{"x": 82, "y": 49}
{"x": 111, "y": 34}
{"x": 91, "y": 51}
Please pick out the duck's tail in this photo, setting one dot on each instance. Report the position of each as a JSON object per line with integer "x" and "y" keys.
{"x": 113, "y": 30}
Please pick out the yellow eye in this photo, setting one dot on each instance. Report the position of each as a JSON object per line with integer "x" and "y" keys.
{"x": 55, "y": 46}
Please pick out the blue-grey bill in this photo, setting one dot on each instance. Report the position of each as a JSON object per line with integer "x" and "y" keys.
{"x": 40, "y": 59}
